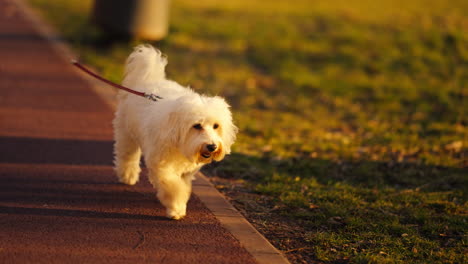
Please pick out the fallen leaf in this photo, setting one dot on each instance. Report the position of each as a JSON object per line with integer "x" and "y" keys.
{"x": 455, "y": 146}
{"x": 313, "y": 206}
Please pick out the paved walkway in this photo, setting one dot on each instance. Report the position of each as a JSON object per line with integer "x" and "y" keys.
{"x": 59, "y": 199}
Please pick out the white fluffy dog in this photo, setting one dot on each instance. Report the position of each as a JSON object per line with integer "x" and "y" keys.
{"x": 177, "y": 135}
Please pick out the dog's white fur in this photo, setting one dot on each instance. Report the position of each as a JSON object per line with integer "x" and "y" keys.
{"x": 174, "y": 134}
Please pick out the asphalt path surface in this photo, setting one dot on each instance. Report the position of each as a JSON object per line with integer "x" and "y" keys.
{"x": 60, "y": 201}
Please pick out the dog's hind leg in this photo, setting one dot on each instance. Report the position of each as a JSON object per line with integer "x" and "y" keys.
{"x": 127, "y": 157}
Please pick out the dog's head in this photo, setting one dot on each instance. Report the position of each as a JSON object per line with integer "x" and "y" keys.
{"x": 201, "y": 128}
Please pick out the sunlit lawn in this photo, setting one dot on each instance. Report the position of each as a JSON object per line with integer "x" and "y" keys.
{"x": 353, "y": 114}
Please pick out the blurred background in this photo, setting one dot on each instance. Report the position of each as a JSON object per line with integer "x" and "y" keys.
{"x": 353, "y": 109}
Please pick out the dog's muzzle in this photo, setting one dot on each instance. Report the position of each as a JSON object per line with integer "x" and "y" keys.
{"x": 208, "y": 150}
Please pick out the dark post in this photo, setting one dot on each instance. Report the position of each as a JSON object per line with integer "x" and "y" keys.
{"x": 146, "y": 19}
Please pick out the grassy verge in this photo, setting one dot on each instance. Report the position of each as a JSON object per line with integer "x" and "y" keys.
{"x": 353, "y": 117}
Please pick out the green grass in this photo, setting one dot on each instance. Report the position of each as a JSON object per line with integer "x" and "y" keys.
{"x": 353, "y": 114}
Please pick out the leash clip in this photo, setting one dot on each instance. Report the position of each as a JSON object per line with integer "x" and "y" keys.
{"x": 152, "y": 97}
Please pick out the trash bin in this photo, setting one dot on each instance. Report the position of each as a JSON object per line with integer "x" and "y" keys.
{"x": 144, "y": 19}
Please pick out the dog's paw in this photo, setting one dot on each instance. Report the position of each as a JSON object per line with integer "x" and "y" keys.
{"x": 176, "y": 214}
{"x": 128, "y": 181}
{"x": 128, "y": 176}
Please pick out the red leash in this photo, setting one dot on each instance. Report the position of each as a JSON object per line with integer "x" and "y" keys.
{"x": 151, "y": 97}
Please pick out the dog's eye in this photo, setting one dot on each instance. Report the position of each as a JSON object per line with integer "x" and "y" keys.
{"x": 198, "y": 126}
{"x": 215, "y": 126}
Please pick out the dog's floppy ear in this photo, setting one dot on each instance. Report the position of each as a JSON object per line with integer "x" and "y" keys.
{"x": 229, "y": 135}
{"x": 178, "y": 122}
{"x": 176, "y": 128}
{"x": 229, "y": 130}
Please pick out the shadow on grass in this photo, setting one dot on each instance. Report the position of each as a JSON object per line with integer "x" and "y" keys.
{"x": 361, "y": 174}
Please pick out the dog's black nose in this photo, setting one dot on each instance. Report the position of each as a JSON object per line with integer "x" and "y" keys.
{"x": 211, "y": 147}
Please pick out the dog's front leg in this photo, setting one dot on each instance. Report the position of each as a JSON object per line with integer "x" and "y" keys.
{"x": 172, "y": 190}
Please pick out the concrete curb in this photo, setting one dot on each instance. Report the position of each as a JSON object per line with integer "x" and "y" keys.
{"x": 257, "y": 245}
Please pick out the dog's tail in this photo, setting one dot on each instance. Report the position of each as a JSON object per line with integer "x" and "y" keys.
{"x": 145, "y": 64}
